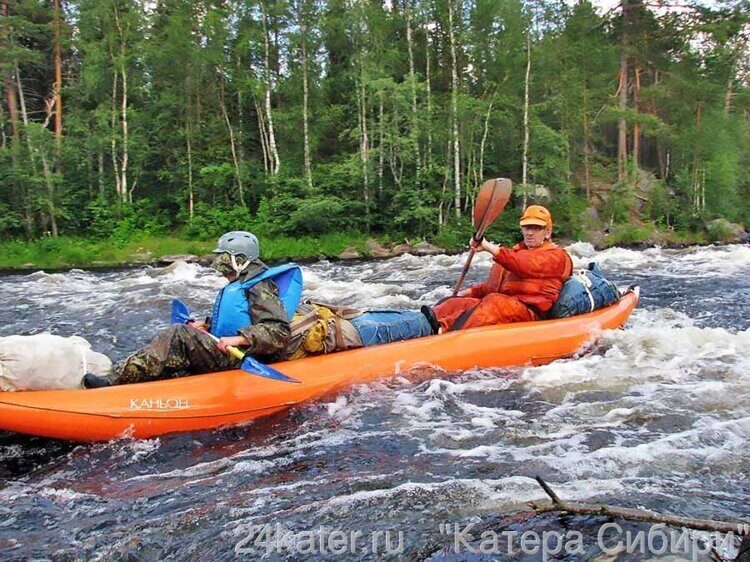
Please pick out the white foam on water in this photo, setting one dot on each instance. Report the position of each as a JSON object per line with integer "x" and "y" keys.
{"x": 716, "y": 260}
{"x": 484, "y": 495}
{"x": 693, "y": 262}
{"x": 322, "y": 289}
{"x": 339, "y": 408}
{"x": 63, "y": 495}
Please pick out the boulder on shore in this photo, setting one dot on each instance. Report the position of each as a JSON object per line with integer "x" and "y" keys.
{"x": 350, "y": 253}
{"x": 399, "y": 249}
{"x": 376, "y": 250}
{"x": 721, "y": 230}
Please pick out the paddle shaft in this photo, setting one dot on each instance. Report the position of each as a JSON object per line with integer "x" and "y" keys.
{"x": 233, "y": 351}
{"x": 478, "y": 235}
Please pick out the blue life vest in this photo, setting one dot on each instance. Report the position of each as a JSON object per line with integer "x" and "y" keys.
{"x": 231, "y": 310}
{"x": 586, "y": 291}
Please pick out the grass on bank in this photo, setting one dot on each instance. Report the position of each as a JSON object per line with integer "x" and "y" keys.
{"x": 65, "y": 252}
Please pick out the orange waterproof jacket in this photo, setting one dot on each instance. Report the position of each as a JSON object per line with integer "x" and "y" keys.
{"x": 534, "y": 277}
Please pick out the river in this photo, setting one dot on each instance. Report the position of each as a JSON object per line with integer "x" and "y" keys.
{"x": 656, "y": 416}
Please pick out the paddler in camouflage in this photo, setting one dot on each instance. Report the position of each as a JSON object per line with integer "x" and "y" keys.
{"x": 183, "y": 350}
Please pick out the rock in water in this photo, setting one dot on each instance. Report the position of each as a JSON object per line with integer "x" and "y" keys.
{"x": 426, "y": 249}
{"x": 169, "y": 260}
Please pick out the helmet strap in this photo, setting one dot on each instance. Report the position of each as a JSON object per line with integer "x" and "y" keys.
{"x": 237, "y": 268}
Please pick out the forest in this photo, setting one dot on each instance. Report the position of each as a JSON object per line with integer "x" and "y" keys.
{"x": 125, "y": 118}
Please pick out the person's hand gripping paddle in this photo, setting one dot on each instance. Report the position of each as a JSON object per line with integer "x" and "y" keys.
{"x": 181, "y": 315}
{"x": 491, "y": 200}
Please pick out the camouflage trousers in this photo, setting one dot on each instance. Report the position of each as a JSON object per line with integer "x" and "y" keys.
{"x": 178, "y": 351}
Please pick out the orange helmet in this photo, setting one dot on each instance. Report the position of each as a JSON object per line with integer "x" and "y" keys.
{"x": 538, "y": 215}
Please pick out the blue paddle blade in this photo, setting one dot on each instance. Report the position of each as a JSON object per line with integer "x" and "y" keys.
{"x": 255, "y": 367}
{"x": 180, "y": 312}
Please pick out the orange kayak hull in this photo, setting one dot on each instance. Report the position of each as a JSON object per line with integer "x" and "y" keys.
{"x": 232, "y": 397}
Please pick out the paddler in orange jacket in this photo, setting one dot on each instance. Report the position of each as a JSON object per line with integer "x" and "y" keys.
{"x": 523, "y": 284}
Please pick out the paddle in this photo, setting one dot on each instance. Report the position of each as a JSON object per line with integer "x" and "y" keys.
{"x": 491, "y": 200}
{"x": 181, "y": 315}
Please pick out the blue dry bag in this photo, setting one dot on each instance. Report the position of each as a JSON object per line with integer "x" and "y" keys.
{"x": 586, "y": 291}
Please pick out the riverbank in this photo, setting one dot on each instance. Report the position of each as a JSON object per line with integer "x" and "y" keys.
{"x": 70, "y": 252}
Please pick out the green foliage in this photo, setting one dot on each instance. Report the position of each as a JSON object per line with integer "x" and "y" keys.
{"x": 568, "y": 209}
{"x": 120, "y": 224}
{"x": 292, "y": 210}
{"x": 10, "y": 221}
{"x": 620, "y": 201}
{"x": 414, "y": 212}
{"x": 663, "y": 206}
{"x": 208, "y": 222}
{"x": 215, "y": 104}
{"x": 626, "y": 234}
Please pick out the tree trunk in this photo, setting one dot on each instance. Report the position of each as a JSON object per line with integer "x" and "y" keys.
{"x": 4, "y": 141}
{"x": 305, "y": 102}
{"x": 57, "y": 90}
{"x": 275, "y": 162}
{"x": 363, "y": 138}
{"x": 428, "y": 150}
{"x": 622, "y": 125}
{"x": 113, "y": 139}
{"x": 240, "y": 115}
{"x": 413, "y": 83}
{"x": 446, "y": 180}
{"x": 728, "y": 97}
{"x": 10, "y": 87}
{"x": 486, "y": 132}
{"x": 263, "y": 137}
{"x": 395, "y": 161}
{"x": 191, "y": 201}
{"x": 696, "y": 174}
{"x": 586, "y": 140}
{"x": 381, "y": 149}
{"x": 232, "y": 141}
{"x": 636, "y": 126}
{"x": 526, "y": 132}
{"x": 454, "y": 112}
{"x": 123, "y": 184}
{"x": 100, "y": 171}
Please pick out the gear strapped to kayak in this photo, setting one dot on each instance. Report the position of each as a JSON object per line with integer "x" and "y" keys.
{"x": 587, "y": 290}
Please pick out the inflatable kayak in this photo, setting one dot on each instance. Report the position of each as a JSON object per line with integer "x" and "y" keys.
{"x": 232, "y": 397}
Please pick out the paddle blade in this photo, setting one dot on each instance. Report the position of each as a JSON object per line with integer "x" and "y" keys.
{"x": 491, "y": 200}
{"x": 180, "y": 312}
{"x": 255, "y": 367}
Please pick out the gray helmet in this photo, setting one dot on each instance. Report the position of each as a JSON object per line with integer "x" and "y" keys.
{"x": 239, "y": 242}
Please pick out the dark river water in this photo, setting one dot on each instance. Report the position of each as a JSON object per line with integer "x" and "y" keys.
{"x": 657, "y": 416}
